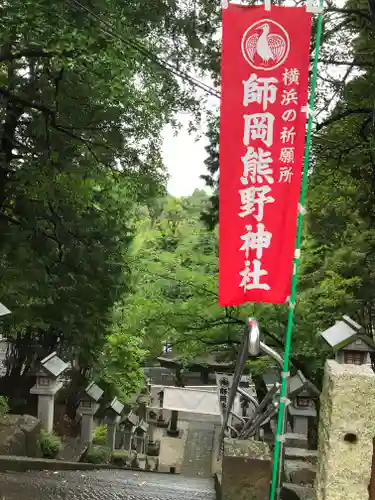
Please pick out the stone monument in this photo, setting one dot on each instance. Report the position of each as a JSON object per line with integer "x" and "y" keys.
{"x": 48, "y": 383}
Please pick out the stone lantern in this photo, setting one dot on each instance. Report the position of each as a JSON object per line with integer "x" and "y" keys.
{"x": 87, "y": 408}
{"x": 48, "y": 383}
{"x": 302, "y": 394}
{"x": 127, "y": 426}
{"x": 141, "y": 437}
{"x": 113, "y": 415}
{"x": 349, "y": 342}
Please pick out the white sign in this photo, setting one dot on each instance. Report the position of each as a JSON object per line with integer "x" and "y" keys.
{"x": 191, "y": 400}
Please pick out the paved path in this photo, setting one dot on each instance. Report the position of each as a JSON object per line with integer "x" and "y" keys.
{"x": 198, "y": 450}
{"x": 103, "y": 485}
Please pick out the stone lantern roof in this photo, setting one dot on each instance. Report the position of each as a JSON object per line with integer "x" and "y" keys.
{"x": 115, "y": 406}
{"x": 130, "y": 419}
{"x": 52, "y": 366}
{"x": 93, "y": 392}
{"x": 346, "y": 332}
{"x": 301, "y": 386}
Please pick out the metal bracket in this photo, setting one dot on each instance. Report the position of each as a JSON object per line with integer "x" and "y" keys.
{"x": 297, "y": 253}
{"x": 309, "y": 111}
{"x": 281, "y": 438}
{"x": 285, "y": 400}
{"x": 314, "y": 9}
{"x": 267, "y": 5}
{"x": 301, "y": 209}
{"x": 224, "y": 4}
{"x": 285, "y": 374}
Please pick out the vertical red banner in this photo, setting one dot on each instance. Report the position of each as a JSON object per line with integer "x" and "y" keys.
{"x": 265, "y": 64}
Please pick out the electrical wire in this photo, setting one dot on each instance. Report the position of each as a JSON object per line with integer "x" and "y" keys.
{"x": 111, "y": 30}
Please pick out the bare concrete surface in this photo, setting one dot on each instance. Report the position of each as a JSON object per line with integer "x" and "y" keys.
{"x": 172, "y": 448}
{"x": 103, "y": 485}
{"x": 197, "y": 459}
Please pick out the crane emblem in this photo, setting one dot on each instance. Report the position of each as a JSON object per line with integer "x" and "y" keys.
{"x": 265, "y": 45}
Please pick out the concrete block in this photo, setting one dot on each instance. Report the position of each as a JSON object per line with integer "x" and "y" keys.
{"x": 246, "y": 471}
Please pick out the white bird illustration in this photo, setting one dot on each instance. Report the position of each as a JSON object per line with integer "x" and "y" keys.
{"x": 268, "y": 46}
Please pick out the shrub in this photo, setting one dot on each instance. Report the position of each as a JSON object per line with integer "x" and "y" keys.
{"x": 50, "y": 444}
{"x": 4, "y": 406}
{"x": 100, "y": 435}
{"x": 98, "y": 455}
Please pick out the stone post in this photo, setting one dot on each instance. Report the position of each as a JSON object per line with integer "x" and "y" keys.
{"x": 161, "y": 421}
{"x": 173, "y": 429}
{"x": 87, "y": 421}
{"x": 46, "y": 405}
{"x": 139, "y": 442}
{"x": 143, "y": 401}
{"x": 246, "y": 470}
{"x": 153, "y": 446}
{"x": 346, "y": 432}
{"x": 112, "y": 423}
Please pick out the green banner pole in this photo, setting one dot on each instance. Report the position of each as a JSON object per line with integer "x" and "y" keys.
{"x": 277, "y": 461}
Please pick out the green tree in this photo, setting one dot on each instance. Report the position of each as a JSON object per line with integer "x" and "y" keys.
{"x": 82, "y": 109}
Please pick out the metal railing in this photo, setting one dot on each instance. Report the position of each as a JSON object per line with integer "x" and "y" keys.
{"x": 251, "y": 346}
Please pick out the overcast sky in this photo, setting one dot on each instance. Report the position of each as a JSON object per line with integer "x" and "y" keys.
{"x": 184, "y": 157}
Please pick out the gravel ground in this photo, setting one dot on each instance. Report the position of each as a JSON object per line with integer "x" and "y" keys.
{"x": 103, "y": 485}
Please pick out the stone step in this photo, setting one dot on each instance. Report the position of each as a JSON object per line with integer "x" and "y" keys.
{"x": 295, "y": 492}
{"x": 301, "y": 454}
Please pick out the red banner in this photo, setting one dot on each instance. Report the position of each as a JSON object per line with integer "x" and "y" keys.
{"x": 265, "y": 63}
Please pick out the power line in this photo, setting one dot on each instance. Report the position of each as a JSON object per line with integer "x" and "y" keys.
{"x": 111, "y": 30}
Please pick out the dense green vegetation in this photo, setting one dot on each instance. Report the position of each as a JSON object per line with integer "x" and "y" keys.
{"x": 96, "y": 260}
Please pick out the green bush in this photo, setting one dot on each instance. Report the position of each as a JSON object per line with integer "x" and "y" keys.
{"x": 50, "y": 444}
{"x": 4, "y": 406}
{"x": 98, "y": 455}
{"x": 100, "y": 435}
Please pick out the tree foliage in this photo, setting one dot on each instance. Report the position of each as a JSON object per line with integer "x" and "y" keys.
{"x": 83, "y": 102}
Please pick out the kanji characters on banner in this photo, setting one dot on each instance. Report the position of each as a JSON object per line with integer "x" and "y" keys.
{"x": 265, "y": 62}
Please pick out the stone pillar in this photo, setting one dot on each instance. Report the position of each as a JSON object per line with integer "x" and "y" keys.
{"x": 87, "y": 423}
{"x": 46, "y": 403}
{"x": 246, "y": 470}
{"x": 346, "y": 432}
{"x": 140, "y": 443}
{"x": 112, "y": 423}
{"x": 128, "y": 438}
{"x": 161, "y": 421}
{"x": 173, "y": 430}
{"x": 151, "y": 433}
